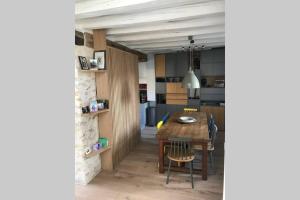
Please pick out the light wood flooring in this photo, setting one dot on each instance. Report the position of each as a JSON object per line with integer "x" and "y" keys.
{"x": 137, "y": 178}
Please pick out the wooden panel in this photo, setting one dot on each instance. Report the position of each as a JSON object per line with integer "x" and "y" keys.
{"x": 160, "y": 65}
{"x": 120, "y": 86}
{"x": 176, "y": 88}
{"x": 176, "y": 96}
{"x": 177, "y": 101}
{"x": 124, "y": 101}
{"x": 88, "y": 40}
{"x": 99, "y": 37}
{"x": 219, "y": 114}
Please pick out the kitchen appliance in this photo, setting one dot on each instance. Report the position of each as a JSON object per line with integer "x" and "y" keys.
{"x": 143, "y": 92}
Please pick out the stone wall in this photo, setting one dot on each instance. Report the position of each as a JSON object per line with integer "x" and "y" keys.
{"x": 86, "y": 127}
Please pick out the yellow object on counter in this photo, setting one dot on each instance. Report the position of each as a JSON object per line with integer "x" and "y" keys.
{"x": 190, "y": 109}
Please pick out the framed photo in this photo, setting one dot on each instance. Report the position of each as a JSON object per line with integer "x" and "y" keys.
{"x": 83, "y": 63}
{"x": 101, "y": 59}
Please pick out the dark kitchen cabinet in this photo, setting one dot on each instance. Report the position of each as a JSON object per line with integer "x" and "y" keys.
{"x": 170, "y": 65}
{"x": 182, "y": 63}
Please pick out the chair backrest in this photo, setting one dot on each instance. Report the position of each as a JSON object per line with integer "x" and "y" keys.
{"x": 211, "y": 123}
{"x": 214, "y": 132}
{"x": 180, "y": 148}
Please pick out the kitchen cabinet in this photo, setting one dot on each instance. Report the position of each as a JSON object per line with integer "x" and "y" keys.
{"x": 182, "y": 63}
{"x": 176, "y": 88}
{"x": 160, "y": 65}
{"x": 170, "y": 65}
{"x": 216, "y": 94}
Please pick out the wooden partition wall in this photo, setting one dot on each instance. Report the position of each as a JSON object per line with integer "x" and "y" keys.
{"x": 123, "y": 81}
{"x": 119, "y": 85}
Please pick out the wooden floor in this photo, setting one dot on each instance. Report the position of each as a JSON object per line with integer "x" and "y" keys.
{"x": 137, "y": 178}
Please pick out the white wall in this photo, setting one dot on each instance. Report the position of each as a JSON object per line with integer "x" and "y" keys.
{"x": 147, "y": 75}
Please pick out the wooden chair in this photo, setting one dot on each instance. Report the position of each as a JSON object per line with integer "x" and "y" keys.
{"x": 180, "y": 151}
{"x": 211, "y": 144}
{"x": 211, "y": 122}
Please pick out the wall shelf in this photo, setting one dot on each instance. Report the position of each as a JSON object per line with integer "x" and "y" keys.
{"x": 94, "y": 70}
{"x": 96, "y": 113}
{"x": 93, "y": 153}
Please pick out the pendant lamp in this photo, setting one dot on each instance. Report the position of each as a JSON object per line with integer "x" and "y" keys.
{"x": 190, "y": 80}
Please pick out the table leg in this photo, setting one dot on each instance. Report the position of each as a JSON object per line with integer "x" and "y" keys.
{"x": 204, "y": 161}
{"x": 161, "y": 156}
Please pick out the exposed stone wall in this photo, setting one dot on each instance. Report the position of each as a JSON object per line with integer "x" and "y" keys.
{"x": 86, "y": 127}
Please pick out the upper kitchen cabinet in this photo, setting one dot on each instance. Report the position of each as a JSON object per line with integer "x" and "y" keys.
{"x": 212, "y": 62}
{"x": 170, "y": 65}
{"x": 160, "y": 65}
{"x": 182, "y": 62}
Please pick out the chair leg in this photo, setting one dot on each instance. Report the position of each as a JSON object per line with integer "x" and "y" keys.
{"x": 212, "y": 160}
{"x": 168, "y": 171}
{"x": 191, "y": 172}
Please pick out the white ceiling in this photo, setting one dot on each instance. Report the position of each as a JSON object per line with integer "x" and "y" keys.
{"x": 153, "y": 26}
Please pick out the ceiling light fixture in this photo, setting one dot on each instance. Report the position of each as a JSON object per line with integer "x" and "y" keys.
{"x": 190, "y": 80}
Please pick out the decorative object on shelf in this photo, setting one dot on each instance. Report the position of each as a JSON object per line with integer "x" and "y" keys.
{"x": 190, "y": 80}
{"x": 219, "y": 83}
{"x": 83, "y": 63}
{"x": 106, "y": 104}
{"x": 93, "y": 106}
{"x": 93, "y": 63}
{"x": 101, "y": 59}
{"x": 86, "y": 109}
{"x": 96, "y": 106}
{"x": 100, "y": 104}
{"x": 103, "y": 142}
{"x": 96, "y": 146}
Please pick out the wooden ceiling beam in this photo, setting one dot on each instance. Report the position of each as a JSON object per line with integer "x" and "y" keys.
{"x": 168, "y": 50}
{"x": 88, "y": 40}
{"x": 174, "y": 25}
{"x": 160, "y": 15}
{"x": 97, "y": 8}
{"x": 141, "y": 56}
{"x": 173, "y": 39}
{"x": 213, "y": 44}
{"x": 168, "y": 34}
{"x": 178, "y": 43}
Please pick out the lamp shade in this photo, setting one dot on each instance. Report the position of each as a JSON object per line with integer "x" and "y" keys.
{"x": 190, "y": 80}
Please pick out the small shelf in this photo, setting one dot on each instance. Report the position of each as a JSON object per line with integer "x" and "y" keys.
{"x": 96, "y": 113}
{"x": 93, "y": 153}
{"x": 94, "y": 70}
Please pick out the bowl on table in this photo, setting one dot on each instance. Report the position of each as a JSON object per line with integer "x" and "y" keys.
{"x": 186, "y": 119}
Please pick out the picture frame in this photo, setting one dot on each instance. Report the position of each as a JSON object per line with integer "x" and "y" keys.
{"x": 100, "y": 56}
{"x": 83, "y": 63}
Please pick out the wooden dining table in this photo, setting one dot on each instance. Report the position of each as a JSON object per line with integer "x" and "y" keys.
{"x": 198, "y": 131}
